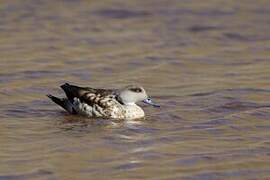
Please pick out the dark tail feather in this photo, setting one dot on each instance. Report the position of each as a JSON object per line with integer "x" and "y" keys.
{"x": 57, "y": 100}
{"x": 72, "y": 91}
{"x": 63, "y": 103}
{"x": 69, "y": 90}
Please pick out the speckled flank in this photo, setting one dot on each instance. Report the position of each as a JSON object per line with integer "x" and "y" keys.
{"x": 113, "y": 110}
{"x": 110, "y": 108}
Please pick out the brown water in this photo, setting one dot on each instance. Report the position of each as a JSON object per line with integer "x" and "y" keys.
{"x": 205, "y": 62}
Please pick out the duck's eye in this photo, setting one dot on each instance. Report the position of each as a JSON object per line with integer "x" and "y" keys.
{"x": 137, "y": 90}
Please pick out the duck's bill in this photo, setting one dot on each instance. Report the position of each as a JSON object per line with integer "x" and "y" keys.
{"x": 150, "y": 102}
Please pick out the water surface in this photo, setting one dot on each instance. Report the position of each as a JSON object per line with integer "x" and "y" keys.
{"x": 205, "y": 62}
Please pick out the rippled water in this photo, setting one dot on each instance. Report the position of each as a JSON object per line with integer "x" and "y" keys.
{"x": 206, "y": 62}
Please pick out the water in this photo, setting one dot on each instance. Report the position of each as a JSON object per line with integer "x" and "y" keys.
{"x": 205, "y": 62}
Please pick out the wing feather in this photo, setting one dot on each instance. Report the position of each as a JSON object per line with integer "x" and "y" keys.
{"x": 88, "y": 95}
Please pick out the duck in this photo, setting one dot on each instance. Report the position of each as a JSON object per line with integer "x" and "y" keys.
{"x": 104, "y": 103}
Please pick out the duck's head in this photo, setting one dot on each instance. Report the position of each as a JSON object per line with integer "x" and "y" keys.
{"x": 132, "y": 94}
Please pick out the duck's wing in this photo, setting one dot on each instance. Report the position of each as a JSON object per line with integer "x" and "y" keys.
{"x": 87, "y": 94}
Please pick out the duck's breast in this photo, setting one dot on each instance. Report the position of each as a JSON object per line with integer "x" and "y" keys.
{"x": 133, "y": 112}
